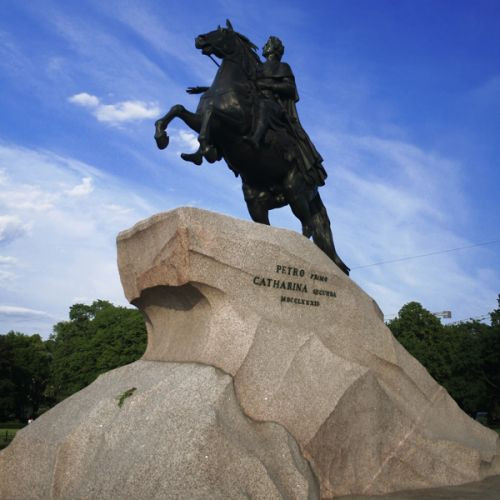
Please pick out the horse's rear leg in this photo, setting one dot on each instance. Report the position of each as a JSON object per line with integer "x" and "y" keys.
{"x": 299, "y": 204}
{"x": 258, "y": 210}
{"x": 207, "y": 147}
{"x": 192, "y": 120}
{"x": 300, "y": 209}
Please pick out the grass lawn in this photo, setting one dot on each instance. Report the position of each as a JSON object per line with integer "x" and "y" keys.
{"x": 6, "y": 436}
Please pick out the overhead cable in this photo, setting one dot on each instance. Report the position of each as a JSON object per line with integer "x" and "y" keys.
{"x": 401, "y": 259}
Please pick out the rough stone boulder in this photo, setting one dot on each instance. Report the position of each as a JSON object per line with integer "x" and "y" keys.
{"x": 306, "y": 347}
{"x": 180, "y": 434}
{"x": 268, "y": 374}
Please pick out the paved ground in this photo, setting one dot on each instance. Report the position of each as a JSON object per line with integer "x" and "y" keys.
{"x": 488, "y": 489}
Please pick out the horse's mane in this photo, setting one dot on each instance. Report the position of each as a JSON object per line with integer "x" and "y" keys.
{"x": 251, "y": 59}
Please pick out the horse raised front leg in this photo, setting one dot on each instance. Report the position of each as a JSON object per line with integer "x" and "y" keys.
{"x": 161, "y": 136}
{"x": 192, "y": 120}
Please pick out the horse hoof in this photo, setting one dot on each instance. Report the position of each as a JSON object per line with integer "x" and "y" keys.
{"x": 195, "y": 158}
{"x": 307, "y": 231}
{"x": 162, "y": 140}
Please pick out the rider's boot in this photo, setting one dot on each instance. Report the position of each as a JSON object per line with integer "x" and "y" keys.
{"x": 196, "y": 158}
{"x": 256, "y": 138}
{"x": 208, "y": 150}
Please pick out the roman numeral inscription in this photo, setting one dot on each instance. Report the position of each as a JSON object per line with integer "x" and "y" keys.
{"x": 304, "y": 285}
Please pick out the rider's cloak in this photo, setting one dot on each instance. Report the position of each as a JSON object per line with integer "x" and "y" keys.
{"x": 312, "y": 164}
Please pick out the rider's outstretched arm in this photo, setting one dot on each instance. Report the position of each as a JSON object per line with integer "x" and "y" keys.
{"x": 196, "y": 90}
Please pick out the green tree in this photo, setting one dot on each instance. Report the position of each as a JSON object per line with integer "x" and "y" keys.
{"x": 7, "y": 386}
{"x": 464, "y": 358}
{"x": 422, "y": 334}
{"x": 467, "y": 382}
{"x": 24, "y": 374}
{"x": 491, "y": 364}
{"x": 97, "y": 338}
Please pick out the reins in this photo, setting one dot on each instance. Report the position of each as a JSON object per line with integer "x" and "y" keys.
{"x": 215, "y": 62}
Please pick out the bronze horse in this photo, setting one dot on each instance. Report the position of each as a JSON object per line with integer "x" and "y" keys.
{"x": 272, "y": 173}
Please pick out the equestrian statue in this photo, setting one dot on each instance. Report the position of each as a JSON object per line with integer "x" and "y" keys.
{"x": 248, "y": 117}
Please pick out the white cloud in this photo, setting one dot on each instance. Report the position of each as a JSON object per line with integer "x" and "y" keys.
{"x": 69, "y": 250}
{"x": 189, "y": 139}
{"x": 12, "y": 59}
{"x": 30, "y": 197}
{"x": 184, "y": 139}
{"x": 6, "y": 277}
{"x": 179, "y": 45}
{"x": 11, "y": 228}
{"x": 82, "y": 189}
{"x": 389, "y": 199}
{"x": 124, "y": 111}
{"x": 3, "y": 176}
{"x": 85, "y": 100}
{"x": 22, "y": 312}
{"x": 8, "y": 261}
{"x": 115, "y": 210}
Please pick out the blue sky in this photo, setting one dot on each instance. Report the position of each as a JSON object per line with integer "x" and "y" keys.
{"x": 402, "y": 99}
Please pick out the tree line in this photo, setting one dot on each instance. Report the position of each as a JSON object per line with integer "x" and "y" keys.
{"x": 463, "y": 357}
{"x": 36, "y": 374}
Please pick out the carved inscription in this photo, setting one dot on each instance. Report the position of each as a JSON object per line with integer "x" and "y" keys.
{"x": 318, "y": 277}
{"x": 294, "y": 281}
{"x": 284, "y": 285}
{"x": 294, "y": 300}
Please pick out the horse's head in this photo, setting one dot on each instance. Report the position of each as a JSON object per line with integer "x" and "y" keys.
{"x": 220, "y": 42}
{"x": 224, "y": 42}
